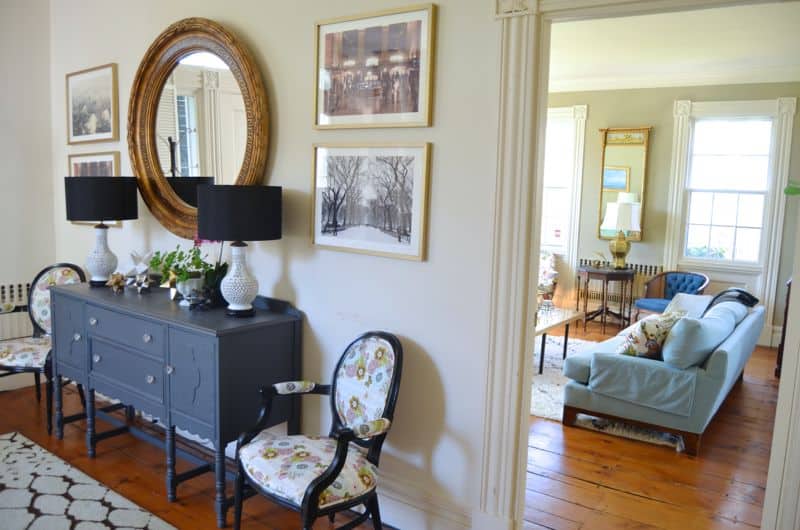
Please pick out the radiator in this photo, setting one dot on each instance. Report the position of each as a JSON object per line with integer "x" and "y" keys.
{"x": 17, "y": 323}
{"x": 642, "y": 273}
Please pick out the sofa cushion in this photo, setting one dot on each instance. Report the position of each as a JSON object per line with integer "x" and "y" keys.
{"x": 693, "y": 304}
{"x": 644, "y": 382}
{"x": 691, "y": 340}
{"x": 656, "y": 305}
{"x": 576, "y": 366}
{"x": 648, "y": 336}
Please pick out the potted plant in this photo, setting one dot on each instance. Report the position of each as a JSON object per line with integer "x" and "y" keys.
{"x": 186, "y": 269}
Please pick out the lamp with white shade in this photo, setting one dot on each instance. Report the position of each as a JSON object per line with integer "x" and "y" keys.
{"x": 623, "y": 218}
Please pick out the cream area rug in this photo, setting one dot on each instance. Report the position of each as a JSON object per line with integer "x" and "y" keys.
{"x": 39, "y": 491}
{"x": 547, "y": 396}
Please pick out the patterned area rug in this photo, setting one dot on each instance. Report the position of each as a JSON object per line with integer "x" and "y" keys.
{"x": 39, "y": 491}
{"x": 547, "y": 396}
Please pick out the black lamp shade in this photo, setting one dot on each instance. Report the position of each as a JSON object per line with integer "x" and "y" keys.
{"x": 101, "y": 198}
{"x": 186, "y": 187}
{"x": 239, "y": 213}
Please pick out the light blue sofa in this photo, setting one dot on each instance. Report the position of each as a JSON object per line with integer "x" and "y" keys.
{"x": 654, "y": 393}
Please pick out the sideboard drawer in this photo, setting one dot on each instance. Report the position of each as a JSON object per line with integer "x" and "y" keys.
{"x": 144, "y": 335}
{"x": 70, "y": 339}
{"x": 133, "y": 371}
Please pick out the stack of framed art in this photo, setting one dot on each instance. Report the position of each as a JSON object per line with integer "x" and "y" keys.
{"x": 373, "y": 70}
{"x": 93, "y": 116}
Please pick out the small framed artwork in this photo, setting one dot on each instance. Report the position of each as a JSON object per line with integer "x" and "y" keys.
{"x": 94, "y": 165}
{"x": 375, "y": 70}
{"x": 371, "y": 199}
{"x": 616, "y": 178}
{"x": 92, "y": 105}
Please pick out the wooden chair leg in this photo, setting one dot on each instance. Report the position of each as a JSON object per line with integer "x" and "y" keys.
{"x": 692, "y": 443}
{"x": 37, "y": 377}
{"x": 49, "y": 404}
{"x": 569, "y": 415}
{"x": 331, "y": 517}
{"x": 374, "y": 512}
{"x": 238, "y": 498}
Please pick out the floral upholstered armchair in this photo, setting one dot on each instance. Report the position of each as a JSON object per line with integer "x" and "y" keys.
{"x": 548, "y": 275}
{"x": 32, "y": 354}
{"x": 318, "y": 475}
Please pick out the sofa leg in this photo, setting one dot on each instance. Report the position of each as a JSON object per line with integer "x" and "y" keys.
{"x": 692, "y": 443}
{"x": 569, "y": 415}
{"x": 741, "y": 377}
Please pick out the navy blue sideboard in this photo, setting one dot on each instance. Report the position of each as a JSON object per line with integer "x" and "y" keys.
{"x": 197, "y": 370}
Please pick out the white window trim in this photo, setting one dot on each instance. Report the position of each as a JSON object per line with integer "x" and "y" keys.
{"x": 782, "y": 111}
{"x": 578, "y": 113}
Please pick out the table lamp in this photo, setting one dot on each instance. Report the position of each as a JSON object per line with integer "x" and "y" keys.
{"x": 99, "y": 199}
{"x": 238, "y": 214}
{"x": 621, "y": 217}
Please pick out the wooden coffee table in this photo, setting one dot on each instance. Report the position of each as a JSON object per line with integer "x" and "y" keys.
{"x": 548, "y": 320}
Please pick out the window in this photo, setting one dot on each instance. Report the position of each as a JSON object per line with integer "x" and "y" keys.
{"x": 188, "y": 158}
{"x": 563, "y": 151}
{"x": 727, "y": 186}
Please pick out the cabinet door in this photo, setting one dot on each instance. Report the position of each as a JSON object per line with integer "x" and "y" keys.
{"x": 192, "y": 372}
{"x": 68, "y": 334}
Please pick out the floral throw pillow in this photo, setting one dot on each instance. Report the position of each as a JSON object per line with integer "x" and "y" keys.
{"x": 646, "y": 338}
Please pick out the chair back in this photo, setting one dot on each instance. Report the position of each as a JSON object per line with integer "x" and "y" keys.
{"x": 365, "y": 385}
{"x": 683, "y": 282}
{"x": 39, "y": 295}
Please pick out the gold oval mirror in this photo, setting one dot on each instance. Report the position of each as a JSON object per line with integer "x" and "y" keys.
{"x": 197, "y": 115}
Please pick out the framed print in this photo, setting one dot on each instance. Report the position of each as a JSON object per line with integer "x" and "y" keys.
{"x": 94, "y": 165}
{"x": 375, "y": 70}
{"x": 371, "y": 199}
{"x": 92, "y": 105}
{"x": 616, "y": 178}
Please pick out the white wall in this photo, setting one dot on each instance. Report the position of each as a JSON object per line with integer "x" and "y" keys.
{"x": 26, "y": 202}
{"x": 438, "y": 307}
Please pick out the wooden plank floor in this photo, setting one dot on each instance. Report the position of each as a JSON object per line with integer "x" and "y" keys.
{"x": 579, "y": 479}
{"x": 136, "y": 470}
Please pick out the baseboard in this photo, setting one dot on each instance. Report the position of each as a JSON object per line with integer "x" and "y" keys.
{"x": 484, "y": 521}
{"x": 407, "y": 504}
{"x": 12, "y": 382}
{"x": 777, "y": 331}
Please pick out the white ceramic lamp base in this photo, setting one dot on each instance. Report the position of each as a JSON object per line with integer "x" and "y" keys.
{"x": 239, "y": 288}
{"x": 101, "y": 262}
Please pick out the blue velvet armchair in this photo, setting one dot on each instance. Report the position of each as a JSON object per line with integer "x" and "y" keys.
{"x": 662, "y": 288}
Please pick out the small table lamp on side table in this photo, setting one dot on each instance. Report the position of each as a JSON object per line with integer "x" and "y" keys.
{"x": 99, "y": 199}
{"x": 238, "y": 214}
{"x": 622, "y": 218}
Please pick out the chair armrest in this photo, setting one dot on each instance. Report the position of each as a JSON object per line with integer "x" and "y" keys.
{"x": 268, "y": 393}
{"x": 372, "y": 428}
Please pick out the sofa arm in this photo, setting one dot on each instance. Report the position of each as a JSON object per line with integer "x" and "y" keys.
{"x": 645, "y": 382}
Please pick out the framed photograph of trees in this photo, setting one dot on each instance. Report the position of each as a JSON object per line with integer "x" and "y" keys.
{"x": 371, "y": 199}
{"x": 376, "y": 69}
{"x": 92, "y": 105}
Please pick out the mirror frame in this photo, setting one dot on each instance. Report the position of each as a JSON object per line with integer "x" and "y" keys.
{"x": 645, "y": 131}
{"x": 176, "y": 42}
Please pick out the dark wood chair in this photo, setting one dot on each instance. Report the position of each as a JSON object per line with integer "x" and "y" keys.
{"x": 317, "y": 475}
{"x": 33, "y": 354}
{"x": 663, "y": 287}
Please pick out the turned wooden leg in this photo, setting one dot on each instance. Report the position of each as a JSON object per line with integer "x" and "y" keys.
{"x": 692, "y": 443}
{"x": 569, "y": 415}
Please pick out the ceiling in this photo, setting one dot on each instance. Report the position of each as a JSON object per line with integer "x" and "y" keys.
{"x": 732, "y": 45}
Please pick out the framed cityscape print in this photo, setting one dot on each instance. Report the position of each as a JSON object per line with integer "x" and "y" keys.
{"x": 375, "y": 70}
{"x": 371, "y": 199}
{"x": 92, "y": 105}
{"x": 94, "y": 165}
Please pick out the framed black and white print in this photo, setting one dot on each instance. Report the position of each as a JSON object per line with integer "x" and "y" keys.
{"x": 375, "y": 70}
{"x": 371, "y": 199}
{"x": 92, "y": 105}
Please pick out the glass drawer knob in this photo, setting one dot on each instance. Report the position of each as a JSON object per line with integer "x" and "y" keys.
{"x": 92, "y": 321}
{"x": 170, "y": 370}
{"x": 147, "y": 337}
{"x": 150, "y": 379}
{"x": 76, "y": 337}
{"x": 96, "y": 358}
